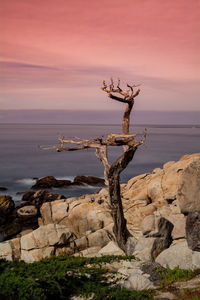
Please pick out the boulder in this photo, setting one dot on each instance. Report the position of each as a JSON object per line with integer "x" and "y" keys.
{"x": 143, "y": 248}
{"x": 151, "y": 268}
{"x": 157, "y": 226}
{"x": 158, "y": 237}
{"x": 28, "y": 211}
{"x": 37, "y": 254}
{"x": 138, "y": 282}
{"x": 172, "y": 214}
{"x": 99, "y": 238}
{"x": 193, "y": 230}
{"x": 2, "y": 188}
{"x": 89, "y": 252}
{"x": 80, "y": 215}
{"x": 87, "y": 216}
{"x": 24, "y": 232}
{"x": 11, "y": 230}
{"x": 148, "y": 225}
{"x": 50, "y": 182}
{"x": 46, "y": 236}
{"x": 80, "y": 244}
{"x": 10, "y": 250}
{"x": 130, "y": 244}
{"x": 189, "y": 188}
{"x": 179, "y": 222}
{"x": 141, "y": 275}
{"x": 40, "y": 197}
{"x": 147, "y": 193}
{"x": 6, "y": 251}
{"x": 179, "y": 255}
{"x": 27, "y": 196}
{"x": 90, "y": 180}
{"x": 6, "y": 205}
{"x": 111, "y": 249}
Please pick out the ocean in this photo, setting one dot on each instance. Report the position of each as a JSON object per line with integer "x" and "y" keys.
{"x": 21, "y": 159}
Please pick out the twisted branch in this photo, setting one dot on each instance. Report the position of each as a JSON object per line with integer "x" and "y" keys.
{"x": 128, "y": 96}
{"x": 99, "y": 143}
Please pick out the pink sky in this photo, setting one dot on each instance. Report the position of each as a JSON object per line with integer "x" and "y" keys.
{"x": 55, "y": 54}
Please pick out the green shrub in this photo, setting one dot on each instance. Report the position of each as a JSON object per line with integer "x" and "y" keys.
{"x": 176, "y": 274}
{"x": 62, "y": 277}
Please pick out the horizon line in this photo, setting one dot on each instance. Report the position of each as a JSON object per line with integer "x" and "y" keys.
{"x": 93, "y": 110}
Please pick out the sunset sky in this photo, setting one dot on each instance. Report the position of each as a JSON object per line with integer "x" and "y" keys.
{"x": 54, "y": 54}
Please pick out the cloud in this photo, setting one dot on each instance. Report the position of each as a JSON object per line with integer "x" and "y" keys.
{"x": 21, "y": 65}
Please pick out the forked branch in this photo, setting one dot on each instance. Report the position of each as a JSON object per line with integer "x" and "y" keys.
{"x": 128, "y": 96}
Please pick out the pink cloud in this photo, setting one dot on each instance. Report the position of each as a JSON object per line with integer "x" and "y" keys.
{"x": 81, "y": 42}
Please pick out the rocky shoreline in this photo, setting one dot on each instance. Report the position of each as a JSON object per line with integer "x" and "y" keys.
{"x": 23, "y": 217}
{"x": 162, "y": 209}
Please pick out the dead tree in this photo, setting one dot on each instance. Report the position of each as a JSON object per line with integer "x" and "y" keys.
{"x": 112, "y": 172}
{"x": 127, "y": 97}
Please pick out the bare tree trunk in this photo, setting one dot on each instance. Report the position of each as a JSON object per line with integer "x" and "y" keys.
{"x": 126, "y": 118}
{"x": 120, "y": 228}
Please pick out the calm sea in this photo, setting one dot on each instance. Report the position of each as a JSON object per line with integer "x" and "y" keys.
{"x": 21, "y": 160}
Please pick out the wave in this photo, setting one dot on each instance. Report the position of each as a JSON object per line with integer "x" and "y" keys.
{"x": 71, "y": 178}
{"x": 26, "y": 181}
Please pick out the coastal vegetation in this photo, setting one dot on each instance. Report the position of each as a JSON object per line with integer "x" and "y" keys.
{"x": 65, "y": 276}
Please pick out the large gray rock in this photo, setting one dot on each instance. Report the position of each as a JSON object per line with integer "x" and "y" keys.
{"x": 148, "y": 225}
{"x": 179, "y": 222}
{"x": 193, "y": 230}
{"x": 158, "y": 237}
{"x": 10, "y": 250}
{"x": 143, "y": 248}
{"x": 138, "y": 282}
{"x": 179, "y": 255}
{"x": 157, "y": 227}
{"x": 111, "y": 249}
{"x": 44, "y": 241}
{"x": 189, "y": 188}
{"x": 78, "y": 214}
{"x": 6, "y": 251}
{"x": 37, "y": 254}
{"x": 46, "y": 236}
{"x": 99, "y": 238}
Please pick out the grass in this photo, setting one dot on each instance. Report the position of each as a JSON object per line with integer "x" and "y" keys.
{"x": 62, "y": 277}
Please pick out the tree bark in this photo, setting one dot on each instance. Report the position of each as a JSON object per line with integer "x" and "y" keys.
{"x": 120, "y": 228}
{"x": 126, "y": 118}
